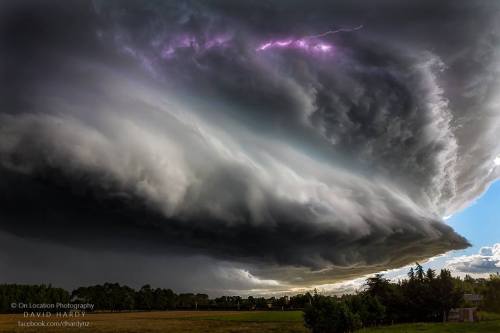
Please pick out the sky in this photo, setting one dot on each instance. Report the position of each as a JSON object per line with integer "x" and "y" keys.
{"x": 479, "y": 222}
{"x": 235, "y": 148}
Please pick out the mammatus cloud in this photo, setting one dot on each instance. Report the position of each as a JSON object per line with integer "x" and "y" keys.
{"x": 164, "y": 131}
{"x": 487, "y": 261}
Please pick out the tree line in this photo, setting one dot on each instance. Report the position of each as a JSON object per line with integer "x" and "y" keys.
{"x": 116, "y": 297}
{"x": 424, "y": 296}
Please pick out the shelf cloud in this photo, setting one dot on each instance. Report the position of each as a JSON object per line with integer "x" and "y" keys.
{"x": 166, "y": 131}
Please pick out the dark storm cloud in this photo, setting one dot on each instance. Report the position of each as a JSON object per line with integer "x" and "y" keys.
{"x": 22, "y": 261}
{"x": 157, "y": 128}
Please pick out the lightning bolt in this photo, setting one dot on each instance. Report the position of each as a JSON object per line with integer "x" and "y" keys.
{"x": 306, "y": 43}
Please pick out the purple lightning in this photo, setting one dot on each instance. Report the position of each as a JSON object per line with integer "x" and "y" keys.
{"x": 307, "y": 43}
{"x": 179, "y": 44}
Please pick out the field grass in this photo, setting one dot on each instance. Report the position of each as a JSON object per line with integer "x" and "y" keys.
{"x": 481, "y": 327}
{"x": 260, "y": 316}
{"x": 226, "y": 322}
{"x": 489, "y": 323}
{"x": 172, "y": 321}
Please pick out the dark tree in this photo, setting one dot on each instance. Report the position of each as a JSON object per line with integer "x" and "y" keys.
{"x": 492, "y": 294}
{"x": 329, "y": 315}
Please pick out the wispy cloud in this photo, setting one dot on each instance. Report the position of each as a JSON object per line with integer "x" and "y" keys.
{"x": 487, "y": 261}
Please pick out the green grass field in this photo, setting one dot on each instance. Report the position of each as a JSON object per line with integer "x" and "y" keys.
{"x": 490, "y": 323}
{"x": 227, "y": 322}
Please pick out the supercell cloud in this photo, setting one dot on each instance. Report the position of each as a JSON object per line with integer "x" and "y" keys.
{"x": 283, "y": 143}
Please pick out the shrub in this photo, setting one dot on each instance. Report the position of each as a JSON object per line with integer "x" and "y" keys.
{"x": 329, "y": 315}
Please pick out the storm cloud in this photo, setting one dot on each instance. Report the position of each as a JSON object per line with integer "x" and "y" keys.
{"x": 162, "y": 131}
